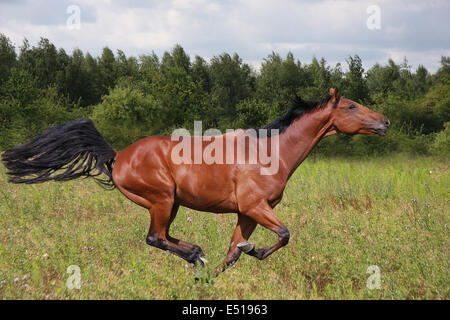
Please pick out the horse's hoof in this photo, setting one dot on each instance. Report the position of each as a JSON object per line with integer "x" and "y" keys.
{"x": 203, "y": 259}
{"x": 246, "y": 246}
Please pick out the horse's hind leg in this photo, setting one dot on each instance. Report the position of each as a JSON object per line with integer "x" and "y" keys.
{"x": 161, "y": 213}
{"x": 184, "y": 244}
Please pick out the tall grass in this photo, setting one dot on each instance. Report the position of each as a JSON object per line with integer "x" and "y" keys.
{"x": 344, "y": 215}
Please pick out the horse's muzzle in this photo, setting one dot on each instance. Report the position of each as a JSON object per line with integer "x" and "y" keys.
{"x": 382, "y": 126}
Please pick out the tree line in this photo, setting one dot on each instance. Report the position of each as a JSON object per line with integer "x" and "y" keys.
{"x": 132, "y": 97}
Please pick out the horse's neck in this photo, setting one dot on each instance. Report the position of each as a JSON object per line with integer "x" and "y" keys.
{"x": 300, "y": 138}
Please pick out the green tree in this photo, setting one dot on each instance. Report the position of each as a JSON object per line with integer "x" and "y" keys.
{"x": 443, "y": 74}
{"x": 149, "y": 66}
{"x": 280, "y": 79}
{"x": 26, "y": 109}
{"x": 432, "y": 110}
{"x": 337, "y": 77}
{"x": 441, "y": 143}
{"x": 126, "y": 67}
{"x": 252, "y": 113}
{"x": 94, "y": 89}
{"x": 319, "y": 79}
{"x": 107, "y": 70}
{"x": 420, "y": 81}
{"x": 42, "y": 62}
{"x": 176, "y": 58}
{"x": 355, "y": 87}
{"x": 200, "y": 73}
{"x": 7, "y": 57}
{"x": 232, "y": 81}
{"x": 381, "y": 79}
{"x": 127, "y": 114}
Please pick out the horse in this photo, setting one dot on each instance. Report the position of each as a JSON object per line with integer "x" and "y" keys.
{"x": 148, "y": 173}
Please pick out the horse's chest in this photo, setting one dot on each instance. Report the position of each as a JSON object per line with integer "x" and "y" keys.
{"x": 276, "y": 199}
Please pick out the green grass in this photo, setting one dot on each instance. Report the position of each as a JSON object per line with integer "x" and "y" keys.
{"x": 344, "y": 215}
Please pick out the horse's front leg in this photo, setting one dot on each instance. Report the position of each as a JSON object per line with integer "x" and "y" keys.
{"x": 264, "y": 215}
{"x": 242, "y": 232}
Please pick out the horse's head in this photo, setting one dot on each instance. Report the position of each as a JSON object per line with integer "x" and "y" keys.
{"x": 350, "y": 117}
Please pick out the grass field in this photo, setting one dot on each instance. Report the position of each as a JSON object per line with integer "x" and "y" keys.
{"x": 344, "y": 215}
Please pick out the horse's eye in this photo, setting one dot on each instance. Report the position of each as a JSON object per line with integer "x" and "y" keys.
{"x": 352, "y": 107}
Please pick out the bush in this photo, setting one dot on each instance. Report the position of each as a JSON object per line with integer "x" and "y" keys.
{"x": 441, "y": 143}
{"x": 24, "y": 106}
{"x": 363, "y": 145}
{"x": 252, "y": 113}
{"x": 126, "y": 115}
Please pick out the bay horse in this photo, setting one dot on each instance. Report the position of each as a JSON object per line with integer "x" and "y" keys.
{"x": 147, "y": 174}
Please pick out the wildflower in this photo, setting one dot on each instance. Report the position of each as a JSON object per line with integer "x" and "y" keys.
{"x": 25, "y": 277}
{"x": 188, "y": 219}
{"x": 16, "y": 280}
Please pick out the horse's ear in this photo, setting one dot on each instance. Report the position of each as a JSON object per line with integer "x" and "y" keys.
{"x": 334, "y": 93}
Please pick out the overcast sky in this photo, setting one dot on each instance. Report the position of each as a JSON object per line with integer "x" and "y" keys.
{"x": 334, "y": 29}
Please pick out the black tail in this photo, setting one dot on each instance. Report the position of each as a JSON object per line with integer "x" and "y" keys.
{"x": 76, "y": 148}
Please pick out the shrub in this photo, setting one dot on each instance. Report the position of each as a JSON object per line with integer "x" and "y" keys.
{"x": 441, "y": 143}
{"x": 252, "y": 113}
{"x": 126, "y": 115}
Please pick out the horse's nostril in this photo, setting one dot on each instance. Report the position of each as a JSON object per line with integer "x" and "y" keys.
{"x": 387, "y": 123}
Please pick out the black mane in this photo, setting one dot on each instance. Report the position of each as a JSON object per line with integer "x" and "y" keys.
{"x": 298, "y": 109}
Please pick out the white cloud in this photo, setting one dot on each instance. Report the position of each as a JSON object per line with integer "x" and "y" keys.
{"x": 252, "y": 28}
{"x": 429, "y": 58}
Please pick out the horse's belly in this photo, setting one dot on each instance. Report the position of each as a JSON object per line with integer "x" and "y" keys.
{"x": 216, "y": 206}
{"x": 206, "y": 190}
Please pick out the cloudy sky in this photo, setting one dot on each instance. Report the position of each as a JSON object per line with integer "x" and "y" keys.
{"x": 334, "y": 29}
